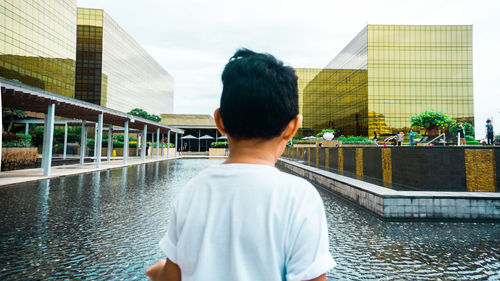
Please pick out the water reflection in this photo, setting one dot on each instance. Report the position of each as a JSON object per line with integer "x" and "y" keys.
{"x": 107, "y": 225}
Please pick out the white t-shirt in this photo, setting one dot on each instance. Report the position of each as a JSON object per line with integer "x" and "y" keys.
{"x": 248, "y": 222}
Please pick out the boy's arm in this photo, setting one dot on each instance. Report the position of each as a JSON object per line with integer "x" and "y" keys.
{"x": 164, "y": 270}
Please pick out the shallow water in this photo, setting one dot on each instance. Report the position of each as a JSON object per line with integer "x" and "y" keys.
{"x": 106, "y": 225}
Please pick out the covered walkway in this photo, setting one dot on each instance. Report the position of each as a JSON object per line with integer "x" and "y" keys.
{"x": 19, "y": 96}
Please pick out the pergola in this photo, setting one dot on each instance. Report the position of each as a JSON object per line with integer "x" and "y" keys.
{"x": 20, "y": 96}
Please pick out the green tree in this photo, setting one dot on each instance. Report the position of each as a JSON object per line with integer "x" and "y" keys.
{"x": 139, "y": 112}
{"x": 431, "y": 121}
{"x": 469, "y": 129}
{"x": 12, "y": 114}
{"x": 144, "y": 114}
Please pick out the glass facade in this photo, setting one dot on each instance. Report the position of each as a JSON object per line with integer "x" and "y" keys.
{"x": 305, "y": 76}
{"x": 113, "y": 70}
{"x": 38, "y": 42}
{"x": 388, "y": 73}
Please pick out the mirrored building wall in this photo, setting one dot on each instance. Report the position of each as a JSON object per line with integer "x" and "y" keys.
{"x": 388, "y": 73}
{"x": 113, "y": 70}
{"x": 38, "y": 42}
{"x": 413, "y": 68}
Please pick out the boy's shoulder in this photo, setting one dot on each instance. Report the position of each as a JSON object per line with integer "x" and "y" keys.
{"x": 250, "y": 174}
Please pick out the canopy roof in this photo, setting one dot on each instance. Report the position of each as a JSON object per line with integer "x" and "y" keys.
{"x": 19, "y": 96}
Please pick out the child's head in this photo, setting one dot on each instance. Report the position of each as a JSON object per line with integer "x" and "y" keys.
{"x": 259, "y": 96}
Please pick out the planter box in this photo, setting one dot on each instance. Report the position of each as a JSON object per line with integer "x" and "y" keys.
{"x": 217, "y": 151}
{"x": 14, "y": 157}
{"x": 324, "y": 143}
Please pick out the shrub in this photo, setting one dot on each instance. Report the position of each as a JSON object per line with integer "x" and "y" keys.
{"x": 469, "y": 129}
{"x": 355, "y": 140}
{"x": 469, "y": 138}
{"x": 219, "y": 144}
{"x": 16, "y": 140}
{"x": 333, "y": 131}
{"x": 472, "y": 142}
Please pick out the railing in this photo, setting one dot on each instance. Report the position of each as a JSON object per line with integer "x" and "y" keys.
{"x": 389, "y": 138}
{"x": 443, "y": 141}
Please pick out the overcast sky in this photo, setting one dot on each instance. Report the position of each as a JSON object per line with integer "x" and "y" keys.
{"x": 193, "y": 40}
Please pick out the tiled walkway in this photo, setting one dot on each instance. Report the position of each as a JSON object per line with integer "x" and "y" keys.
{"x": 27, "y": 175}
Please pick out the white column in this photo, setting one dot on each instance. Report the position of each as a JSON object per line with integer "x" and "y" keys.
{"x": 162, "y": 145}
{"x": 168, "y": 144}
{"x": 83, "y": 142}
{"x": 95, "y": 141}
{"x": 98, "y": 141}
{"x": 65, "y": 139}
{"x": 48, "y": 139}
{"x": 1, "y": 126}
{"x": 152, "y": 142}
{"x": 110, "y": 143}
{"x": 157, "y": 143}
{"x": 199, "y": 141}
{"x": 143, "y": 142}
{"x": 27, "y": 128}
{"x": 138, "y": 142}
{"x": 125, "y": 143}
{"x": 176, "y": 136}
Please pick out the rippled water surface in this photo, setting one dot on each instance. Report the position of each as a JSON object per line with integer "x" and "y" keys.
{"x": 106, "y": 225}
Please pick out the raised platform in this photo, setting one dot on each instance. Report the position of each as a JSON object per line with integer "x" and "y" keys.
{"x": 402, "y": 205}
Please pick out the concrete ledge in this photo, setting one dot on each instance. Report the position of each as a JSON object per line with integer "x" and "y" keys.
{"x": 403, "y": 205}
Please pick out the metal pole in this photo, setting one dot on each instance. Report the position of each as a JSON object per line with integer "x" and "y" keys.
{"x": 168, "y": 143}
{"x": 143, "y": 143}
{"x": 83, "y": 142}
{"x": 125, "y": 143}
{"x": 48, "y": 139}
{"x": 65, "y": 139}
{"x": 152, "y": 143}
{"x": 137, "y": 145}
{"x": 162, "y": 145}
{"x": 99, "y": 141}
{"x": 157, "y": 143}
{"x": 199, "y": 141}
{"x": 1, "y": 126}
{"x": 95, "y": 141}
{"x": 176, "y": 134}
{"x": 110, "y": 142}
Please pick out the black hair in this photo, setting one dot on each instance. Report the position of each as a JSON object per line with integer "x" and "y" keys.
{"x": 259, "y": 95}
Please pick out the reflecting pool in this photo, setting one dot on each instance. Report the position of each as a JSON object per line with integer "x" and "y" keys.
{"x": 106, "y": 225}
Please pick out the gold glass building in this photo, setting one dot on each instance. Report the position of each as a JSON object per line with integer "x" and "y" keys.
{"x": 388, "y": 73}
{"x": 113, "y": 70}
{"x": 38, "y": 42}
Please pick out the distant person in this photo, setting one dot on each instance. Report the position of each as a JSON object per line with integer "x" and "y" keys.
{"x": 489, "y": 132}
{"x": 244, "y": 219}
{"x": 375, "y": 137}
{"x": 461, "y": 134}
{"x": 412, "y": 137}
{"x": 400, "y": 138}
{"x": 147, "y": 148}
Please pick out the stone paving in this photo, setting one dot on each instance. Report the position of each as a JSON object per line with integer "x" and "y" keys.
{"x": 27, "y": 175}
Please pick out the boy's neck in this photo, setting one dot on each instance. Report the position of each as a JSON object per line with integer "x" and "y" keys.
{"x": 255, "y": 151}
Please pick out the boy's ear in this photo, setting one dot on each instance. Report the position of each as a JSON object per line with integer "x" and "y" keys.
{"x": 292, "y": 127}
{"x": 218, "y": 122}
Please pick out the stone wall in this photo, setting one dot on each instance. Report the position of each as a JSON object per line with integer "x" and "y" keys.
{"x": 390, "y": 204}
{"x": 410, "y": 168}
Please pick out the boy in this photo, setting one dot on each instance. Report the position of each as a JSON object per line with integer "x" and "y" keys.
{"x": 244, "y": 219}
